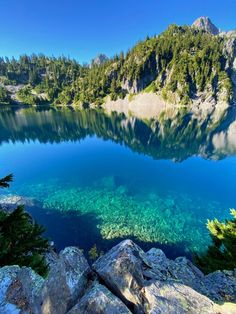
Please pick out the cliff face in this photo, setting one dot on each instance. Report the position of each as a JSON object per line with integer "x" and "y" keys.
{"x": 173, "y": 67}
{"x": 182, "y": 64}
{"x": 125, "y": 280}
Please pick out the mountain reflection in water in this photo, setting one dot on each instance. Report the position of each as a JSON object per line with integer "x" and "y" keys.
{"x": 87, "y": 189}
{"x": 168, "y": 139}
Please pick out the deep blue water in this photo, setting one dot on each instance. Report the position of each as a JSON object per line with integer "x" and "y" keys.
{"x": 95, "y": 179}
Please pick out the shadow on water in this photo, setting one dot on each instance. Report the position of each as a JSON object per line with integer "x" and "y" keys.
{"x": 74, "y": 229}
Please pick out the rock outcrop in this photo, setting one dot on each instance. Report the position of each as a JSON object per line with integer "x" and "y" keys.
{"x": 124, "y": 280}
{"x": 100, "y": 59}
{"x": 66, "y": 282}
{"x": 19, "y": 290}
{"x": 206, "y": 24}
{"x": 99, "y": 299}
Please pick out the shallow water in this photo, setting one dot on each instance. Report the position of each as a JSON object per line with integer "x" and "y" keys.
{"x": 97, "y": 179}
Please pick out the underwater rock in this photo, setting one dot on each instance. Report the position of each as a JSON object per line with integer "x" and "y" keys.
{"x": 99, "y": 300}
{"x": 107, "y": 182}
{"x": 122, "y": 189}
{"x": 66, "y": 282}
{"x": 148, "y": 216}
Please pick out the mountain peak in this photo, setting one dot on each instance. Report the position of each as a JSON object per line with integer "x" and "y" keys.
{"x": 99, "y": 59}
{"x": 206, "y": 24}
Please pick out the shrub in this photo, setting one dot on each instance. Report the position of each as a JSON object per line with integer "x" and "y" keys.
{"x": 221, "y": 254}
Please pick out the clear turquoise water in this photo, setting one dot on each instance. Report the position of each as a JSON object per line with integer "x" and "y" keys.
{"x": 96, "y": 179}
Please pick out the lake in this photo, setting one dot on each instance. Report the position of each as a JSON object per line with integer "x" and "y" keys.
{"x": 96, "y": 179}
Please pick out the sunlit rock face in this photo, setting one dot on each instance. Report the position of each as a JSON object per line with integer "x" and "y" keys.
{"x": 124, "y": 280}
{"x": 206, "y": 24}
{"x": 99, "y": 299}
{"x": 68, "y": 278}
{"x": 19, "y": 290}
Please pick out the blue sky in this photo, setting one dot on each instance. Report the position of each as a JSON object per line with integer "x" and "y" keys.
{"x": 82, "y": 29}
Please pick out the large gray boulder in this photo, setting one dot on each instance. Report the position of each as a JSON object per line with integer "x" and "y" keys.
{"x": 66, "y": 282}
{"x": 122, "y": 271}
{"x": 218, "y": 286}
{"x": 149, "y": 281}
{"x": 19, "y": 289}
{"x": 140, "y": 279}
{"x": 175, "y": 298}
{"x": 99, "y": 300}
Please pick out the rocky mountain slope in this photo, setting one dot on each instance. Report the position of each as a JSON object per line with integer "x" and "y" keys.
{"x": 124, "y": 280}
{"x": 182, "y": 66}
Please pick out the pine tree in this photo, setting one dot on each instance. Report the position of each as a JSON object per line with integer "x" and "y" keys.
{"x": 4, "y": 182}
{"x": 21, "y": 240}
{"x": 221, "y": 254}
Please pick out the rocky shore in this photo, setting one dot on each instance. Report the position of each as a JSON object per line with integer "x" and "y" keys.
{"x": 124, "y": 280}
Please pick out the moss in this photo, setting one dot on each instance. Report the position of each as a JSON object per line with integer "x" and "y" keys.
{"x": 93, "y": 252}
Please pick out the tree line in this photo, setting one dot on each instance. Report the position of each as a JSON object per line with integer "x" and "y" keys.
{"x": 182, "y": 61}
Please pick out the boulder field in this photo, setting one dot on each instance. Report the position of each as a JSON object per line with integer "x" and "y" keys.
{"x": 124, "y": 280}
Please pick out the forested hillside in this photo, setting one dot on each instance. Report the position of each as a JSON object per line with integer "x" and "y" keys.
{"x": 180, "y": 64}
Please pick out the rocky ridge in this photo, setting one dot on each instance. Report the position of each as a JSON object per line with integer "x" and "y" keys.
{"x": 124, "y": 280}
{"x": 146, "y": 104}
{"x": 99, "y": 59}
{"x": 206, "y": 24}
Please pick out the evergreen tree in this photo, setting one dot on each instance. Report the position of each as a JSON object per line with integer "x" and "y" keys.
{"x": 4, "y": 182}
{"x": 221, "y": 254}
{"x": 21, "y": 240}
{"x": 4, "y": 96}
{"x": 181, "y": 60}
